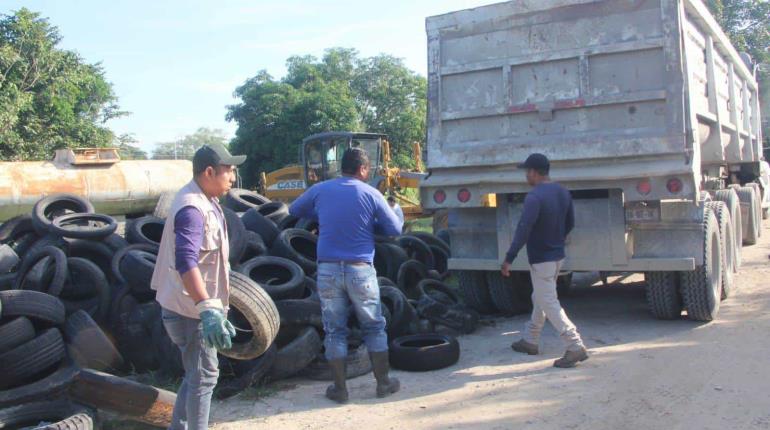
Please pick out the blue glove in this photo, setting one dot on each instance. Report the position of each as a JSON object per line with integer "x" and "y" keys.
{"x": 217, "y": 330}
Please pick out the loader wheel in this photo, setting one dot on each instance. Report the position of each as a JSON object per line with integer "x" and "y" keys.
{"x": 473, "y": 288}
{"x": 730, "y": 197}
{"x": 663, "y": 296}
{"x": 702, "y": 287}
{"x": 728, "y": 245}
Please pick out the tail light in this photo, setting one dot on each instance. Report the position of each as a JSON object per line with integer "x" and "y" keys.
{"x": 674, "y": 186}
{"x": 439, "y": 196}
{"x": 464, "y": 195}
{"x": 644, "y": 187}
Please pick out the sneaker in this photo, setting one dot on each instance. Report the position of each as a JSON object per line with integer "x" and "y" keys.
{"x": 525, "y": 347}
{"x": 571, "y": 358}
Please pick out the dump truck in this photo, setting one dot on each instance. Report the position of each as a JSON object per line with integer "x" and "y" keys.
{"x": 649, "y": 116}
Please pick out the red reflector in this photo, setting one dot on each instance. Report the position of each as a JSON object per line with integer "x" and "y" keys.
{"x": 439, "y": 196}
{"x": 644, "y": 187}
{"x": 464, "y": 195}
{"x": 674, "y": 186}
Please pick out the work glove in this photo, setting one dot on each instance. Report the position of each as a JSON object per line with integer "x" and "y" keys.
{"x": 217, "y": 330}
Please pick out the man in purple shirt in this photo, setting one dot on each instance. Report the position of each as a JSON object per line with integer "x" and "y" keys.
{"x": 349, "y": 211}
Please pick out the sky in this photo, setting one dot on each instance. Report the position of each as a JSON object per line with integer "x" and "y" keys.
{"x": 174, "y": 64}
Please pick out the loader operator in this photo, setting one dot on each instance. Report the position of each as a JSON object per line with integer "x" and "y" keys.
{"x": 191, "y": 279}
{"x": 349, "y": 211}
{"x": 547, "y": 219}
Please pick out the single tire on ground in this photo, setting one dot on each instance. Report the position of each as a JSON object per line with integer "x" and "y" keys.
{"x": 730, "y": 197}
{"x": 87, "y": 344}
{"x": 474, "y": 291}
{"x": 424, "y": 352}
{"x": 728, "y": 245}
{"x": 255, "y": 317}
{"x": 31, "y": 358}
{"x": 663, "y": 296}
{"x": 48, "y": 415}
{"x": 702, "y": 287}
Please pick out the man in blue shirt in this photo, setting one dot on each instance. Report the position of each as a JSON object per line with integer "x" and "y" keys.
{"x": 547, "y": 219}
{"x": 349, "y": 211}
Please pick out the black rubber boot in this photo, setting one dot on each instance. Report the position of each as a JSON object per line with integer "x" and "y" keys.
{"x": 380, "y": 365}
{"x": 339, "y": 390}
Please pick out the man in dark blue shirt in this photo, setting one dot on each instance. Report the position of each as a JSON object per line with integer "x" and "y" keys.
{"x": 349, "y": 211}
{"x": 547, "y": 219}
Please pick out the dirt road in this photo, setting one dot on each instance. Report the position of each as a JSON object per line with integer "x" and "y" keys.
{"x": 642, "y": 374}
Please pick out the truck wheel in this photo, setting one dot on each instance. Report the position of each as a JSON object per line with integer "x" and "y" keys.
{"x": 663, "y": 296}
{"x": 758, "y": 205}
{"x": 728, "y": 245}
{"x": 505, "y": 295}
{"x": 473, "y": 288}
{"x": 748, "y": 198}
{"x": 564, "y": 285}
{"x": 702, "y": 287}
{"x": 730, "y": 197}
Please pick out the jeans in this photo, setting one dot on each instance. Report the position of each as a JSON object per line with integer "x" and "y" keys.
{"x": 545, "y": 305}
{"x": 201, "y": 371}
{"x": 340, "y": 286}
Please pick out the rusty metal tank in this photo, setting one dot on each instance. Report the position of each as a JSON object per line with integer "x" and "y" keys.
{"x": 114, "y": 186}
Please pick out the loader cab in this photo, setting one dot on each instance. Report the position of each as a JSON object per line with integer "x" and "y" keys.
{"x": 322, "y": 153}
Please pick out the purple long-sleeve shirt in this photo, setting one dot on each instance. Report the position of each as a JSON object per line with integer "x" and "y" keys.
{"x": 188, "y": 237}
{"x": 349, "y": 212}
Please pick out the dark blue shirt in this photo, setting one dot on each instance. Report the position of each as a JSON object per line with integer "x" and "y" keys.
{"x": 547, "y": 219}
{"x": 348, "y": 212}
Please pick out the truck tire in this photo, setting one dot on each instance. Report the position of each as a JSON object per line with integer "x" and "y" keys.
{"x": 15, "y": 332}
{"x": 52, "y": 415}
{"x": 31, "y": 358}
{"x": 298, "y": 246}
{"x": 504, "y": 293}
{"x": 702, "y": 287}
{"x": 236, "y": 235}
{"x": 257, "y": 310}
{"x": 87, "y": 344}
{"x": 663, "y": 296}
{"x": 32, "y": 304}
{"x": 475, "y": 292}
{"x": 296, "y": 355}
{"x": 730, "y": 198}
{"x": 750, "y": 222}
{"x": 728, "y": 245}
{"x": 758, "y": 205}
{"x": 147, "y": 229}
{"x": 48, "y": 208}
{"x": 424, "y": 352}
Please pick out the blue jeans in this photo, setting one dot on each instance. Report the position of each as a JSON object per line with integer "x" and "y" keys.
{"x": 201, "y": 371}
{"x": 341, "y": 285}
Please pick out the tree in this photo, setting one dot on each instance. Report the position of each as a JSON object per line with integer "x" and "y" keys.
{"x": 185, "y": 147}
{"x": 49, "y": 97}
{"x": 126, "y": 148}
{"x": 339, "y": 92}
{"x": 747, "y": 23}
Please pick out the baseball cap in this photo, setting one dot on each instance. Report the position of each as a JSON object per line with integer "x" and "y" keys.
{"x": 215, "y": 154}
{"x": 536, "y": 161}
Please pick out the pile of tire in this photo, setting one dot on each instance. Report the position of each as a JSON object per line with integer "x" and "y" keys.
{"x": 78, "y": 303}
{"x": 281, "y": 257}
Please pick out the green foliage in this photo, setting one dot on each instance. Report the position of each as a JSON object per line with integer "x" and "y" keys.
{"x": 49, "y": 97}
{"x": 747, "y": 23}
{"x": 339, "y": 92}
{"x": 185, "y": 147}
{"x": 126, "y": 148}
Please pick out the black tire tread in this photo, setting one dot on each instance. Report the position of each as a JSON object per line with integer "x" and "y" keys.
{"x": 663, "y": 296}
{"x": 474, "y": 290}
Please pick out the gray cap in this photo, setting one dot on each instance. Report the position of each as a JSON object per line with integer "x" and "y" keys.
{"x": 215, "y": 154}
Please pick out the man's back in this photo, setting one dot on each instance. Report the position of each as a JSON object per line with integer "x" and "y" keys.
{"x": 555, "y": 220}
{"x": 348, "y": 211}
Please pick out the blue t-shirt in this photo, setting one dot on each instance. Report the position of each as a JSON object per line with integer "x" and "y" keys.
{"x": 547, "y": 219}
{"x": 349, "y": 212}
